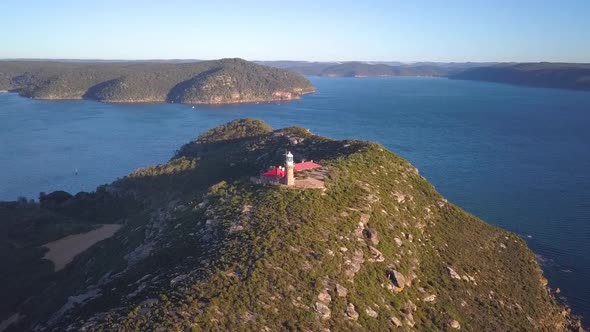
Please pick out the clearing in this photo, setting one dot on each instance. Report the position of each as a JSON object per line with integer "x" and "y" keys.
{"x": 63, "y": 251}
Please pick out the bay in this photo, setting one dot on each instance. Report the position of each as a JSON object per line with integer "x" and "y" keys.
{"x": 516, "y": 157}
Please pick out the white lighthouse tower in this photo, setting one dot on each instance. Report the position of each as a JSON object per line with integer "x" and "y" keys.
{"x": 290, "y": 167}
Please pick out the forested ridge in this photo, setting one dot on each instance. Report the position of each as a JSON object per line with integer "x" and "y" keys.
{"x": 204, "y": 82}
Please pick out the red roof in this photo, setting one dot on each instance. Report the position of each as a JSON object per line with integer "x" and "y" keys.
{"x": 275, "y": 172}
{"x": 306, "y": 165}
{"x": 279, "y": 173}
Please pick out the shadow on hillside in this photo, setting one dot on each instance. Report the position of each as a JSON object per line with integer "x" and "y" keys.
{"x": 180, "y": 92}
{"x": 94, "y": 91}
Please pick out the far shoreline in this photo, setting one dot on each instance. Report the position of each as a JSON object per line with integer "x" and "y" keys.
{"x": 163, "y": 102}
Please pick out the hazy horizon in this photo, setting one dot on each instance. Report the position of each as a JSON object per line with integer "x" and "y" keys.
{"x": 423, "y": 31}
{"x": 270, "y": 60}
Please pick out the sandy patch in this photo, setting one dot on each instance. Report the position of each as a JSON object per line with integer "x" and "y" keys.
{"x": 63, "y": 251}
{"x": 313, "y": 179}
{"x": 308, "y": 183}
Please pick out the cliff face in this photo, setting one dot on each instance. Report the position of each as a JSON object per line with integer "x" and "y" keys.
{"x": 206, "y": 82}
{"x": 203, "y": 248}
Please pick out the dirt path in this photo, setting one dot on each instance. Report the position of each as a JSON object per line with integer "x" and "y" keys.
{"x": 63, "y": 251}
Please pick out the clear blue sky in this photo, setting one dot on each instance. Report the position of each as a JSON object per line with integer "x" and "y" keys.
{"x": 437, "y": 30}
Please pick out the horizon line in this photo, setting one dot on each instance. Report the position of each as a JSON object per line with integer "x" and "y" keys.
{"x": 306, "y": 61}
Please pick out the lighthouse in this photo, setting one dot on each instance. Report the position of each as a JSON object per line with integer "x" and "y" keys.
{"x": 290, "y": 167}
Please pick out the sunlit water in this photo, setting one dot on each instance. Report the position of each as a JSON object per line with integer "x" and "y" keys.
{"x": 517, "y": 157}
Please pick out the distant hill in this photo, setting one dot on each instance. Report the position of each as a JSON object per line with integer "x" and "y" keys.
{"x": 542, "y": 74}
{"x": 205, "y": 82}
{"x": 361, "y": 69}
{"x": 200, "y": 247}
{"x": 366, "y": 69}
{"x": 357, "y": 69}
{"x": 374, "y": 68}
{"x": 301, "y": 67}
{"x": 284, "y": 64}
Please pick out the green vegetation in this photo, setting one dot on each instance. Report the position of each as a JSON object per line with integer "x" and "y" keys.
{"x": 206, "y": 82}
{"x": 26, "y": 226}
{"x": 363, "y": 69}
{"x": 203, "y": 248}
{"x": 360, "y": 69}
{"x": 543, "y": 74}
{"x": 238, "y": 129}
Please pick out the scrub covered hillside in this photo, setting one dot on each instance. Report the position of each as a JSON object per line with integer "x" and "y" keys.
{"x": 206, "y": 82}
{"x": 202, "y": 247}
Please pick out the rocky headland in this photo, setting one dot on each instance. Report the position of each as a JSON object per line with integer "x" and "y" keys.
{"x": 201, "y": 247}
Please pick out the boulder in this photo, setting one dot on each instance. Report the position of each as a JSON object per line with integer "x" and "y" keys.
{"x": 372, "y": 236}
{"x": 322, "y": 310}
{"x": 396, "y": 322}
{"x": 429, "y": 298}
{"x": 409, "y": 318}
{"x": 409, "y": 237}
{"x": 455, "y": 324}
{"x": 324, "y": 296}
{"x": 353, "y": 265}
{"x": 351, "y": 312}
{"x": 396, "y": 278}
{"x": 409, "y": 307}
{"x": 371, "y": 313}
{"x": 341, "y": 290}
{"x": 376, "y": 255}
{"x": 364, "y": 219}
{"x": 453, "y": 274}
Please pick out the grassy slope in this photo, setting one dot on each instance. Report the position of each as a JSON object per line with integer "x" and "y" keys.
{"x": 230, "y": 255}
{"x": 298, "y": 236}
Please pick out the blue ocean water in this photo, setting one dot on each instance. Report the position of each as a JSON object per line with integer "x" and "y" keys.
{"x": 516, "y": 157}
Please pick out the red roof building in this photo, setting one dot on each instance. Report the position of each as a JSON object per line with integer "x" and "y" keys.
{"x": 285, "y": 175}
{"x": 274, "y": 173}
{"x": 278, "y": 172}
{"x": 304, "y": 166}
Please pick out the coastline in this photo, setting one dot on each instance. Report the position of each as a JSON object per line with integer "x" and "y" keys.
{"x": 504, "y": 244}
{"x": 553, "y": 285}
{"x": 278, "y": 98}
{"x": 379, "y": 76}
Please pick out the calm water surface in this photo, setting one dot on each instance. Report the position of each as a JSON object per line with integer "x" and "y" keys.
{"x": 517, "y": 157}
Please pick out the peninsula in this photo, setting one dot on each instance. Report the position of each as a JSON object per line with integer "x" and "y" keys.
{"x": 222, "y": 81}
{"x": 211, "y": 241}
